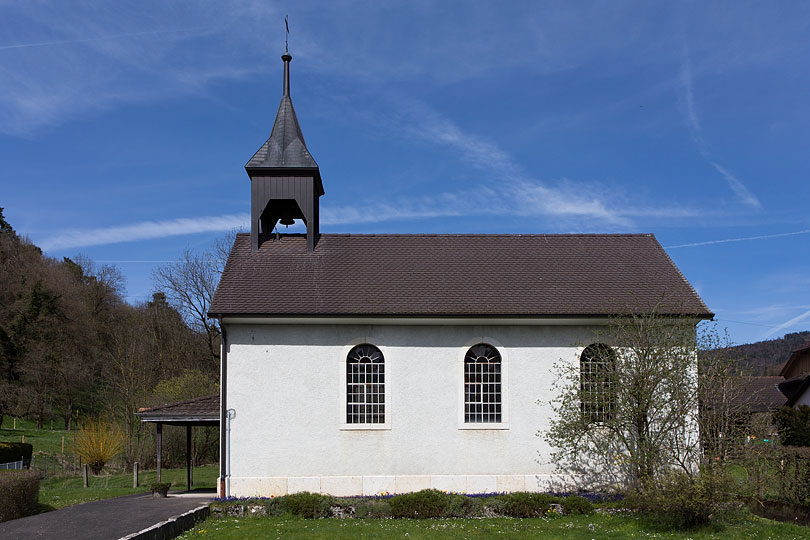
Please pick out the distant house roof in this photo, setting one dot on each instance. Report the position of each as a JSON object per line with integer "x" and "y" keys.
{"x": 202, "y": 410}
{"x": 761, "y": 394}
{"x": 454, "y": 275}
{"x": 794, "y": 388}
{"x": 795, "y": 357}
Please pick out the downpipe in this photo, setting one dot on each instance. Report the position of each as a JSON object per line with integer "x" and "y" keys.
{"x": 230, "y": 414}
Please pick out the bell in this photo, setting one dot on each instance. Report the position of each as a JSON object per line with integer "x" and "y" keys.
{"x": 287, "y": 221}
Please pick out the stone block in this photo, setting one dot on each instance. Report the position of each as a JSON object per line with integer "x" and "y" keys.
{"x": 510, "y": 483}
{"x": 452, "y": 483}
{"x": 408, "y": 484}
{"x": 482, "y": 484}
{"x": 342, "y": 486}
{"x": 297, "y": 484}
{"x": 375, "y": 485}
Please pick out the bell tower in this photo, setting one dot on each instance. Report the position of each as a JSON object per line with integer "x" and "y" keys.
{"x": 285, "y": 182}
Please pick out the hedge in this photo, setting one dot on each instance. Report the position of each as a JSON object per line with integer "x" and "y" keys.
{"x": 429, "y": 503}
{"x": 13, "y": 451}
{"x": 19, "y": 492}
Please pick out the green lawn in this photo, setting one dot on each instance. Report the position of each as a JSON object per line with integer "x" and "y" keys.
{"x": 67, "y": 491}
{"x": 564, "y": 528}
{"x": 46, "y": 440}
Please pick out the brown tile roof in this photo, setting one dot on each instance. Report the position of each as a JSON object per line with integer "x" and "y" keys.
{"x": 454, "y": 275}
{"x": 201, "y": 408}
{"x": 761, "y": 394}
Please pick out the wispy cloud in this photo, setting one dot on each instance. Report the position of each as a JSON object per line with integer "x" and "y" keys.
{"x": 145, "y": 230}
{"x": 736, "y": 186}
{"x": 743, "y": 239}
{"x": 102, "y": 38}
{"x": 61, "y": 61}
{"x": 693, "y": 121}
{"x": 587, "y": 205}
{"x": 518, "y": 192}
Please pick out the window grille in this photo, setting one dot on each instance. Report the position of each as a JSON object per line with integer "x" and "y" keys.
{"x": 482, "y": 384}
{"x": 597, "y": 366}
{"x": 365, "y": 385}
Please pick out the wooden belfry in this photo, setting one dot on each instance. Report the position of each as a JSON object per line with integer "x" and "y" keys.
{"x": 285, "y": 179}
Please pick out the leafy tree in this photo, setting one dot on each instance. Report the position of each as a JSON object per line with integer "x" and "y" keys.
{"x": 793, "y": 425}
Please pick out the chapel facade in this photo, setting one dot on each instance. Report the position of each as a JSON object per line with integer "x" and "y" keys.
{"x": 363, "y": 364}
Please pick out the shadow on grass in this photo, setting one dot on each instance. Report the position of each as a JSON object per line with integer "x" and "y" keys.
{"x": 42, "y": 508}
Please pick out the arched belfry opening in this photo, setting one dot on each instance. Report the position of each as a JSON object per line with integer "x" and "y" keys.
{"x": 285, "y": 179}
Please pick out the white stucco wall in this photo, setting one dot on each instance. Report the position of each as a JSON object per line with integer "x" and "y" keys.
{"x": 288, "y": 434}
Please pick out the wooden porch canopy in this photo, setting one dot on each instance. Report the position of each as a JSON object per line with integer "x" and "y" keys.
{"x": 201, "y": 411}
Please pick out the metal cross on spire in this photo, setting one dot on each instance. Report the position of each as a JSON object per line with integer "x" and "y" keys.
{"x": 287, "y": 37}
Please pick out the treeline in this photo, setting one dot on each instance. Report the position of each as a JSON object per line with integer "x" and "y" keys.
{"x": 71, "y": 348}
{"x": 768, "y": 357}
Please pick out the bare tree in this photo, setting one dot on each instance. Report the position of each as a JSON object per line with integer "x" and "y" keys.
{"x": 189, "y": 285}
{"x": 631, "y": 411}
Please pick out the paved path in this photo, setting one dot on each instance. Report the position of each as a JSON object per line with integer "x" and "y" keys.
{"x": 108, "y": 519}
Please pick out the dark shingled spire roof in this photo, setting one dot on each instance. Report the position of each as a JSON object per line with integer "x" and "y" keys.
{"x": 286, "y": 147}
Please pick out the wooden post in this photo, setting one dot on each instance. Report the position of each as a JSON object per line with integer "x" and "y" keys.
{"x": 23, "y": 438}
{"x": 188, "y": 457}
{"x": 85, "y": 479}
{"x": 63, "y": 444}
{"x": 135, "y": 475}
{"x": 159, "y": 448}
{"x": 15, "y": 422}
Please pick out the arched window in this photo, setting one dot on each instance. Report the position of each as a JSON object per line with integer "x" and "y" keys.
{"x": 482, "y": 384}
{"x": 597, "y": 366}
{"x": 365, "y": 385}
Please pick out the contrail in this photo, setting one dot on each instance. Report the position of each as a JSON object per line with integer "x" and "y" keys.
{"x": 788, "y": 324}
{"x": 728, "y": 240}
{"x": 101, "y": 38}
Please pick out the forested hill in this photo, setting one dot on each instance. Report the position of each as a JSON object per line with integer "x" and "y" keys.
{"x": 768, "y": 357}
{"x": 70, "y": 346}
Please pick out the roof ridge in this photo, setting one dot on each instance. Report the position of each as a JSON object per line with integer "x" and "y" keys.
{"x": 468, "y": 235}
{"x": 181, "y": 402}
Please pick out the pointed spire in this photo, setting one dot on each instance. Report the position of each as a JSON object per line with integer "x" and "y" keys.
{"x": 286, "y": 147}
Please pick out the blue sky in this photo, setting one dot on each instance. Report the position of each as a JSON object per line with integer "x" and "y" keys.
{"x": 124, "y": 128}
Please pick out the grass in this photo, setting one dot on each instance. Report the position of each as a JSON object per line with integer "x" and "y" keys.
{"x": 45, "y": 441}
{"x": 66, "y": 491}
{"x": 564, "y": 528}
{"x": 61, "y": 491}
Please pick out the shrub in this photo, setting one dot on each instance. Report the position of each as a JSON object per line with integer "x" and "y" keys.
{"x": 428, "y": 503}
{"x": 372, "y": 509}
{"x": 13, "y": 451}
{"x": 793, "y": 425}
{"x": 682, "y": 501}
{"x": 307, "y": 505}
{"x": 97, "y": 442}
{"x": 574, "y": 504}
{"x": 523, "y": 504}
{"x": 160, "y": 487}
{"x": 463, "y": 507}
{"x": 19, "y": 493}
